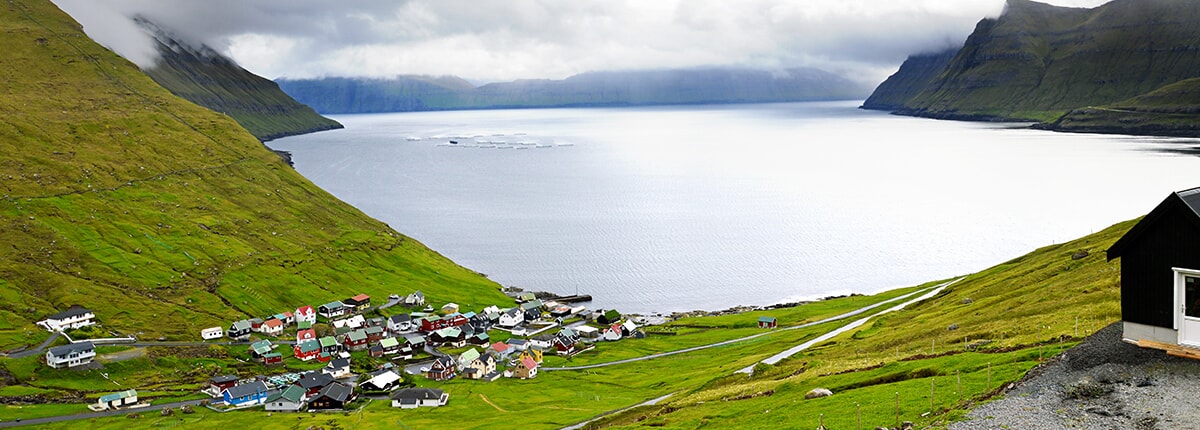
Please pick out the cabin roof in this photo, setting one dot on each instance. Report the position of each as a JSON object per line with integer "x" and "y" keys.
{"x": 1190, "y": 199}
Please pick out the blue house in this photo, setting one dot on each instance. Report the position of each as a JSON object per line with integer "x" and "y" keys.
{"x": 254, "y": 393}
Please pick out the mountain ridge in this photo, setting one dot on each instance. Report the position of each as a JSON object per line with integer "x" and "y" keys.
{"x": 592, "y": 89}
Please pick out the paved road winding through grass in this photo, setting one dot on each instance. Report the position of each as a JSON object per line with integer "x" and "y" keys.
{"x": 929, "y": 293}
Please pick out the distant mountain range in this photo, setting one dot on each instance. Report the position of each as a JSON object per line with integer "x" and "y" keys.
{"x": 628, "y": 88}
{"x": 205, "y": 77}
{"x": 1124, "y": 67}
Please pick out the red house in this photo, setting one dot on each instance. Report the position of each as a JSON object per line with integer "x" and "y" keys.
{"x": 306, "y": 334}
{"x": 434, "y": 323}
{"x": 442, "y": 369}
{"x": 767, "y": 322}
{"x": 306, "y": 350}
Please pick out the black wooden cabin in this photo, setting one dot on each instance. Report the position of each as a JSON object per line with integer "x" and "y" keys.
{"x": 1160, "y": 274}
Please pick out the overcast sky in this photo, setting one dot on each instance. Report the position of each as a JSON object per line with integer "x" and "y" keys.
{"x": 485, "y": 40}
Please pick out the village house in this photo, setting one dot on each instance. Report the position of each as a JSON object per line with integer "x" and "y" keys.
{"x": 291, "y": 399}
{"x": 511, "y": 318}
{"x": 518, "y": 345}
{"x": 613, "y": 333}
{"x": 400, "y": 324}
{"x": 212, "y": 333}
{"x": 525, "y": 297}
{"x": 358, "y": 303}
{"x": 450, "y": 308}
{"x": 587, "y": 332}
{"x": 306, "y": 350}
{"x": 565, "y": 345}
{"x": 218, "y": 384}
{"x": 306, "y": 334}
{"x": 416, "y": 299}
{"x": 533, "y": 310}
{"x": 767, "y": 322}
{"x": 534, "y": 354}
{"x": 333, "y": 396}
{"x": 525, "y": 368}
{"x": 313, "y": 382}
{"x": 256, "y": 324}
{"x": 466, "y": 358}
{"x": 628, "y": 328}
{"x": 412, "y": 398}
{"x": 501, "y": 350}
{"x": 610, "y": 316}
{"x": 330, "y": 345}
{"x": 443, "y": 368}
{"x": 543, "y": 341}
{"x": 354, "y": 322}
{"x": 355, "y": 340}
{"x": 416, "y": 341}
{"x": 450, "y": 336}
{"x": 306, "y": 313}
{"x": 71, "y": 355}
{"x": 272, "y": 327}
{"x": 1160, "y": 276}
{"x": 239, "y": 330}
{"x": 116, "y": 400}
{"x": 303, "y": 325}
{"x": 338, "y": 368}
{"x": 389, "y": 345}
{"x": 261, "y": 348}
{"x": 382, "y": 380}
{"x": 253, "y": 393}
{"x": 374, "y": 334}
{"x": 479, "y": 339}
{"x": 433, "y": 323}
{"x": 72, "y": 318}
{"x": 332, "y": 310}
{"x": 286, "y": 317}
{"x": 272, "y": 359}
{"x": 482, "y": 367}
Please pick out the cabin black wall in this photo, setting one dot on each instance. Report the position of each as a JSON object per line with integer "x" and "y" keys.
{"x": 1147, "y": 281}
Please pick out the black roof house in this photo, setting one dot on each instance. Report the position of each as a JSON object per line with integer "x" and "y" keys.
{"x": 1160, "y": 274}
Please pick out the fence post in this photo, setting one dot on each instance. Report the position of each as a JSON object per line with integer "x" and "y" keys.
{"x": 931, "y": 385}
{"x": 897, "y": 409}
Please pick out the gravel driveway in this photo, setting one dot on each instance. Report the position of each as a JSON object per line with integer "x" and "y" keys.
{"x": 1103, "y": 383}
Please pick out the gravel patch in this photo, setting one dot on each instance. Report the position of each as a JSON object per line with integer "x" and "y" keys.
{"x": 1102, "y": 383}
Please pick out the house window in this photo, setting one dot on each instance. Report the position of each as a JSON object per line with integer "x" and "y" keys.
{"x": 1191, "y": 296}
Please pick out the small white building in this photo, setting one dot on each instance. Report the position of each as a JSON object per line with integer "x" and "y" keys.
{"x": 412, "y": 398}
{"x": 71, "y": 355}
{"x": 72, "y": 318}
{"x": 115, "y": 400}
{"x": 212, "y": 333}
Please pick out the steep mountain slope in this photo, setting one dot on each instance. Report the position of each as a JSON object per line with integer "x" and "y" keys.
{"x": 1036, "y": 61}
{"x": 1173, "y": 110}
{"x": 917, "y": 72}
{"x": 690, "y": 86}
{"x": 161, "y": 215}
{"x": 207, "y": 78}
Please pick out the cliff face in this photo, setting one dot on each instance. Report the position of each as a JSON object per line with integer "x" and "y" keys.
{"x": 691, "y": 86}
{"x": 1036, "y": 61}
{"x": 917, "y": 72}
{"x": 1173, "y": 110}
{"x": 207, "y": 78}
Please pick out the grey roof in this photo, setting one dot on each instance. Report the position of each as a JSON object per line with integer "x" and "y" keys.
{"x": 336, "y": 391}
{"x": 244, "y": 390}
{"x": 67, "y": 349}
{"x": 400, "y": 318}
{"x": 415, "y": 394}
{"x": 223, "y": 379}
{"x": 339, "y": 363}
{"x": 314, "y": 379}
{"x": 72, "y": 312}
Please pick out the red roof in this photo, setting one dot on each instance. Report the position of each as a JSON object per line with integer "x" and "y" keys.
{"x": 500, "y": 346}
{"x": 529, "y": 363}
{"x": 305, "y": 310}
{"x": 273, "y": 323}
{"x": 361, "y": 297}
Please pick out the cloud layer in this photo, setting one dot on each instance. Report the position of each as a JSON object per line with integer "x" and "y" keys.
{"x": 485, "y": 40}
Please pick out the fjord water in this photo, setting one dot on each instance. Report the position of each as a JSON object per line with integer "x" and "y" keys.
{"x": 708, "y": 207}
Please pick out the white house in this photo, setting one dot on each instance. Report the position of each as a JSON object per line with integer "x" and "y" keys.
{"x": 272, "y": 327}
{"x": 412, "y": 398}
{"x": 587, "y": 332}
{"x": 71, "y": 318}
{"x": 400, "y": 323}
{"x": 357, "y": 321}
{"x": 511, "y": 318}
{"x": 212, "y": 333}
{"x": 306, "y": 313}
{"x": 288, "y": 400}
{"x": 415, "y": 299}
{"x": 382, "y": 380}
{"x": 71, "y": 355}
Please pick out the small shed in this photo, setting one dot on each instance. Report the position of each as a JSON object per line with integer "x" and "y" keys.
{"x": 767, "y": 322}
{"x": 212, "y": 333}
{"x": 1160, "y": 276}
{"x": 116, "y": 400}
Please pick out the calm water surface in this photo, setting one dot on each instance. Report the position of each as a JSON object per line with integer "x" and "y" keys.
{"x": 680, "y": 208}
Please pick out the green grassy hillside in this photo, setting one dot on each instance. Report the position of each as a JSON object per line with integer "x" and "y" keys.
{"x": 1005, "y": 320}
{"x": 1037, "y": 62}
{"x": 1173, "y": 110}
{"x": 161, "y": 215}
{"x": 207, "y": 78}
